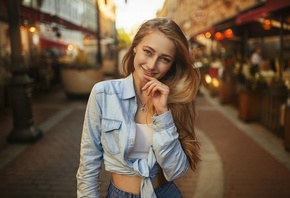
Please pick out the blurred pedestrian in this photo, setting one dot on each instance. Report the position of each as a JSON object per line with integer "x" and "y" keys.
{"x": 256, "y": 60}
{"x": 142, "y": 126}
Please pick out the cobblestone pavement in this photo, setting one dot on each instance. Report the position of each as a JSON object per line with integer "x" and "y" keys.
{"x": 238, "y": 159}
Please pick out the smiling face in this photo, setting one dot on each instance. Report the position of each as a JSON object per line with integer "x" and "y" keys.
{"x": 154, "y": 56}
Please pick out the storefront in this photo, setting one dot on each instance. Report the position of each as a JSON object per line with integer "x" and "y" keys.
{"x": 254, "y": 25}
{"x": 50, "y": 30}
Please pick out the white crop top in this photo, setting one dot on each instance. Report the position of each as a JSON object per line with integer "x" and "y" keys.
{"x": 143, "y": 141}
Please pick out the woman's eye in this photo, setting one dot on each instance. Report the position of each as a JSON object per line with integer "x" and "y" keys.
{"x": 166, "y": 60}
{"x": 147, "y": 52}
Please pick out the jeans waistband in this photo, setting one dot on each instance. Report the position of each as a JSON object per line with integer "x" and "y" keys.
{"x": 114, "y": 192}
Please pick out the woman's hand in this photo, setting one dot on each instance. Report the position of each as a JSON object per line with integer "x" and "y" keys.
{"x": 159, "y": 94}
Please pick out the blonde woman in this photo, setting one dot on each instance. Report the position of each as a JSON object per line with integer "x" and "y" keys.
{"x": 142, "y": 126}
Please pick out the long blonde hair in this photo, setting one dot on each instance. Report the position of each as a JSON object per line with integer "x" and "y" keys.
{"x": 182, "y": 78}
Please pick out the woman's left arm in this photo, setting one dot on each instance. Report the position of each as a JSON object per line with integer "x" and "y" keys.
{"x": 168, "y": 151}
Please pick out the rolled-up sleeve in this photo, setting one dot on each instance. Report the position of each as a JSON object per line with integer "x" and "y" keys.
{"x": 168, "y": 151}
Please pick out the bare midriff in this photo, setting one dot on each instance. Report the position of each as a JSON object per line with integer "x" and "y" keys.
{"x": 126, "y": 183}
{"x": 132, "y": 184}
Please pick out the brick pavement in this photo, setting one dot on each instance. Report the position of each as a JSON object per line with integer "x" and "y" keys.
{"x": 47, "y": 168}
{"x": 45, "y": 104}
{"x": 249, "y": 170}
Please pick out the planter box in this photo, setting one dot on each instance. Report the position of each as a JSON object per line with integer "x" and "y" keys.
{"x": 287, "y": 128}
{"x": 249, "y": 106}
{"x": 226, "y": 92}
{"x": 77, "y": 83}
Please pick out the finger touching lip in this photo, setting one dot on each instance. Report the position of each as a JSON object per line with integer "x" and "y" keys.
{"x": 148, "y": 77}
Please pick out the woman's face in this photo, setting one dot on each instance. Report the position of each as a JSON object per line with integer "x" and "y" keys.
{"x": 154, "y": 56}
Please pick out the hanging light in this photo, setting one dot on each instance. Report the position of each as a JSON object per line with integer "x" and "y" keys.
{"x": 87, "y": 39}
{"x": 32, "y": 29}
{"x": 207, "y": 35}
{"x": 267, "y": 24}
{"x": 229, "y": 33}
{"x": 219, "y": 36}
{"x": 70, "y": 47}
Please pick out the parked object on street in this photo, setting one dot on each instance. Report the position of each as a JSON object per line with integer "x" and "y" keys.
{"x": 78, "y": 83}
{"x": 249, "y": 106}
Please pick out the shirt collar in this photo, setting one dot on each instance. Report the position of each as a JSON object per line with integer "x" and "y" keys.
{"x": 128, "y": 89}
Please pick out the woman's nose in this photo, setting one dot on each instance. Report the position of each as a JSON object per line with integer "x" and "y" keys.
{"x": 152, "y": 63}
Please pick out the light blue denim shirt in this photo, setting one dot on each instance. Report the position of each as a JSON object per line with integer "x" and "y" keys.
{"x": 108, "y": 136}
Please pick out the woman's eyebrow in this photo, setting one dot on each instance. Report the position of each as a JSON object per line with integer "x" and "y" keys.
{"x": 167, "y": 55}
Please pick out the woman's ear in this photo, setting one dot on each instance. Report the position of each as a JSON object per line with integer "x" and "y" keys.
{"x": 134, "y": 49}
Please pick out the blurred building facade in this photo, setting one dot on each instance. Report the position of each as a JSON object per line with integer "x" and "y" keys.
{"x": 54, "y": 32}
{"x": 223, "y": 34}
{"x": 196, "y": 16}
{"x": 207, "y": 22}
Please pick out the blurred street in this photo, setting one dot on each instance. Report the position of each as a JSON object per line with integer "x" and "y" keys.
{"x": 238, "y": 159}
{"x": 53, "y": 52}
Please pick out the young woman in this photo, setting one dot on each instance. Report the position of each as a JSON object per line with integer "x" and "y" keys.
{"x": 142, "y": 126}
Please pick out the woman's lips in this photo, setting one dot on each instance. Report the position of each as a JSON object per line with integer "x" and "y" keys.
{"x": 148, "y": 72}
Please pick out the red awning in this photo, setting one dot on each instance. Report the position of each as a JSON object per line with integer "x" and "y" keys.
{"x": 268, "y": 7}
{"x": 45, "y": 43}
{"x": 35, "y": 15}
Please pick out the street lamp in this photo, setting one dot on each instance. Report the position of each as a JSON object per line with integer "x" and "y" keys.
{"x": 24, "y": 129}
{"x": 99, "y": 53}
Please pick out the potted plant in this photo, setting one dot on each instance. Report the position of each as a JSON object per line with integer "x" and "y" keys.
{"x": 79, "y": 76}
{"x": 249, "y": 96}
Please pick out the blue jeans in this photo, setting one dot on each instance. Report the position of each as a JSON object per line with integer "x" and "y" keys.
{"x": 168, "y": 190}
